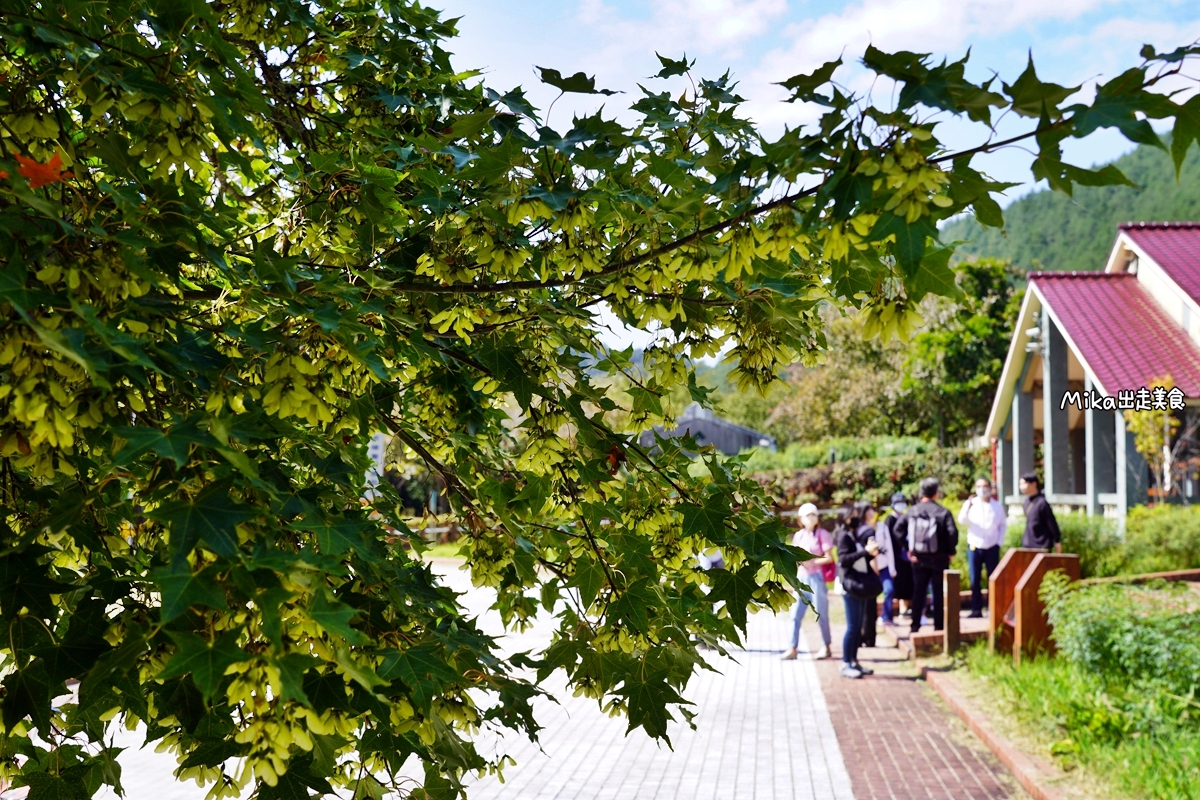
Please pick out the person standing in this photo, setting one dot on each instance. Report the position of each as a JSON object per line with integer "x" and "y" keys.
{"x": 815, "y": 572}
{"x": 1041, "y": 528}
{"x": 866, "y": 534}
{"x": 932, "y": 539}
{"x": 986, "y": 523}
{"x": 859, "y": 583}
{"x": 896, "y": 572}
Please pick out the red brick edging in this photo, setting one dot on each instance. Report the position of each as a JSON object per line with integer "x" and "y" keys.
{"x": 1027, "y": 772}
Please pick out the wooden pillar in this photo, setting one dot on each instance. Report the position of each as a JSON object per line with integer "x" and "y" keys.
{"x": 1101, "y": 454}
{"x": 1004, "y": 465}
{"x": 951, "y": 588}
{"x": 1132, "y": 474}
{"x": 1054, "y": 419}
{"x": 1022, "y": 437}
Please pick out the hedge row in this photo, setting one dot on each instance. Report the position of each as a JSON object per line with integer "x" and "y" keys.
{"x": 877, "y": 479}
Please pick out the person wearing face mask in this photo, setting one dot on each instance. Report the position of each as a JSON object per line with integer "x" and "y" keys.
{"x": 814, "y": 572}
{"x": 859, "y": 582}
{"x": 986, "y": 523}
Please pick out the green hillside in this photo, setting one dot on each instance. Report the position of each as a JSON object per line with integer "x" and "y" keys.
{"x": 1048, "y": 230}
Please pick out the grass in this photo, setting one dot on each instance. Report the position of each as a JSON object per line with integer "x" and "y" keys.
{"x": 442, "y": 550}
{"x": 1099, "y": 730}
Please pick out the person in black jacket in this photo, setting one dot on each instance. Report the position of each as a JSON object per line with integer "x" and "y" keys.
{"x": 866, "y": 534}
{"x": 858, "y": 584}
{"x": 1041, "y": 528}
{"x": 932, "y": 539}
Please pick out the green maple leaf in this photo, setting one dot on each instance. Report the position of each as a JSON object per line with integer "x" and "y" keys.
{"x": 210, "y": 517}
{"x": 335, "y": 536}
{"x": 334, "y": 616}
{"x": 736, "y": 589}
{"x": 213, "y": 754}
{"x": 44, "y": 786}
{"x": 909, "y": 247}
{"x": 589, "y": 577}
{"x": 648, "y": 699}
{"x": 292, "y": 667}
{"x": 708, "y": 520}
{"x": 423, "y": 669}
{"x": 296, "y": 782}
{"x": 73, "y": 657}
{"x": 1186, "y": 131}
{"x": 579, "y": 83}
{"x": 181, "y": 589}
{"x": 1031, "y": 97}
{"x": 205, "y": 662}
{"x": 24, "y": 583}
{"x": 934, "y": 276}
{"x": 27, "y": 693}
{"x": 805, "y": 85}
{"x": 174, "y": 444}
{"x": 671, "y": 67}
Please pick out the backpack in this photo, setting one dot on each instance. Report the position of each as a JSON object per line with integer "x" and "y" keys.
{"x": 922, "y": 535}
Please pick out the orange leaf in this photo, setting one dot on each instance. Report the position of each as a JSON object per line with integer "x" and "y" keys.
{"x": 40, "y": 175}
{"x": 3, "y": 175}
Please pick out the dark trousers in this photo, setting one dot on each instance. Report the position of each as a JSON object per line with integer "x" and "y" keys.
{"x": 976, "y": 561}
{"x": 927, "y": 572}
{"x": 870, "y": 615}
{"x": 854, "y": 620}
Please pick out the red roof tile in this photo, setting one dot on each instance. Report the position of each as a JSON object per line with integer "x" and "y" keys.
{"x": 1174, "y": 246}
{"x": 1118, "y": 329}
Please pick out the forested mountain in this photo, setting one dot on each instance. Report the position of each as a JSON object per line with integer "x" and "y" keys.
{"x": 1048, "y": 230}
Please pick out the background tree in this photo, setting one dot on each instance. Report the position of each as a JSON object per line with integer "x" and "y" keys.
{"x": 952, "y": 368}
{"x": 939, "y": 384}
{"x": 240, "y": 238}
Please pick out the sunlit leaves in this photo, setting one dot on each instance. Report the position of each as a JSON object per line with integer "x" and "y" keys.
{"x": 241, "y": 240}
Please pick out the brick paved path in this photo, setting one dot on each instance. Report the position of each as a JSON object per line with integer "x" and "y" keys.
{"x": 900, "y": 742}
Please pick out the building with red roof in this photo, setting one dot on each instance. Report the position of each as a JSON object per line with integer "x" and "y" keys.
{"x": 1089, "y": 346}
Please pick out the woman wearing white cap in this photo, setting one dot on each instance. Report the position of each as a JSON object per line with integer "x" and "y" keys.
{"x": 814, "y": 572}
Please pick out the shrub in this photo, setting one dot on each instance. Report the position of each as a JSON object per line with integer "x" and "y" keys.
{"x": 805, "y": 456}
{"x": 1161, "y": 538}
{"x": 876, "y": 479}
{"x": 1129, "y": 634}
{"x": 1095, "y": 540}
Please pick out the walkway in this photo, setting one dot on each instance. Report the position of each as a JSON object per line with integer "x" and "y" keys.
{"x": 763, "y": 732}
{"x": 900, "y": 741}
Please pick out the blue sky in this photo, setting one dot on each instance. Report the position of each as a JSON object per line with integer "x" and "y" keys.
{"x": 763, "y": 41}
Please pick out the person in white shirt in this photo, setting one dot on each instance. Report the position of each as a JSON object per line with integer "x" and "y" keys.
{"x": 814, "y": 572}
{"x": 986, "y": 522}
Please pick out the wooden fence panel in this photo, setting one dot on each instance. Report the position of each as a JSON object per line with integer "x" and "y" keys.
{"x": 1031, "y": 627}
{"x": 1001, "y": 587}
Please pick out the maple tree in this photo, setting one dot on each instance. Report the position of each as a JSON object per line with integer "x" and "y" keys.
{"x": 261, "y": 233}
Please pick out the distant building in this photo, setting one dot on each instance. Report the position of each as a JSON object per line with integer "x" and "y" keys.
{"x": 1087, "y": 336}
{"x": 709, "y": 429}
